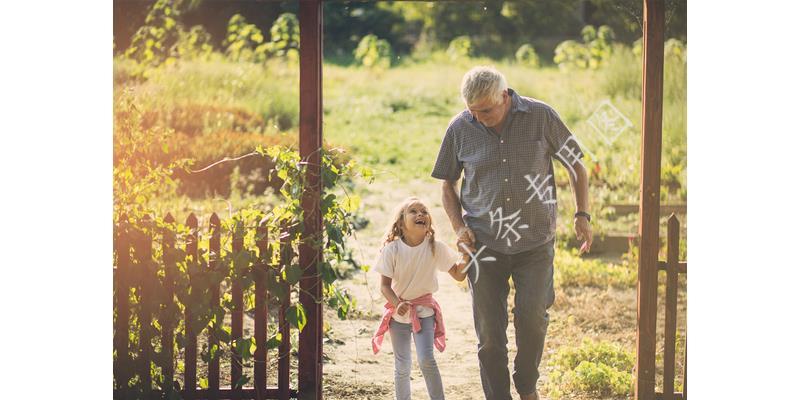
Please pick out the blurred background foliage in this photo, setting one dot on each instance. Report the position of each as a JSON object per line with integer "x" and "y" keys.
{"x": 497, "y": 28}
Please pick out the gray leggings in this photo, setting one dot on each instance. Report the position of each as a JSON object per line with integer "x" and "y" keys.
{"x": 401, "y": 342}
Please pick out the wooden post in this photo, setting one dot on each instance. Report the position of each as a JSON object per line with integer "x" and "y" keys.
{"x": 213, "y": 261}
{"x": 122, "y": 274}
{"x": 190, "y": 358}
{"x": 262, "y": 311}
{"x": 146, "y": 276}
{"x": 310, "y": 346}
{"x": 670, "y": 314}
{"x": 237, "y": 316}
{"x": 652, "y": 96}
{"x": 285, "y": 347}
{"x": 167, "y": 319}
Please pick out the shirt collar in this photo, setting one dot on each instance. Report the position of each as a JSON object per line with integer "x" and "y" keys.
{"x": 517, "y": 104}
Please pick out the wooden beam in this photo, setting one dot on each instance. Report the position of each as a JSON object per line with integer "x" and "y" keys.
{"x": 652, "y": 96}
{"x": 662, "y": 266}
{"x": 310, "y": 346}
{"x": 671, "y": 311}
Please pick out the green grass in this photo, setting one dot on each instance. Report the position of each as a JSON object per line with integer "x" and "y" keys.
{"x": 393, "y": 120}
{"x": 593, "y": 368}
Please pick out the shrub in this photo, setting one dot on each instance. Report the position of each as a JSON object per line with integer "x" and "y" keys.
{"x": 194, "y": 44}
{"x": 593, "y": 368}
{"x": 137, "y": 177}
{"x": 593, "y": 53}
{"x": 373, "y": 52}
{"x": 575, "y": 271}
{"x": 244, "y": 42}
{"x": 285, "y": 37}
{"x": 461, "y": 47}
{"x": 152, "y": 44}
{"x": 526, "y": 55}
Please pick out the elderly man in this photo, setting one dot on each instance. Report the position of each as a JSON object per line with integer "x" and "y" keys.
{"x": 504, "y": 144}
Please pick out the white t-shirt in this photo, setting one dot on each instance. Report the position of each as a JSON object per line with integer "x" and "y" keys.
{"x": 413, "y": 270}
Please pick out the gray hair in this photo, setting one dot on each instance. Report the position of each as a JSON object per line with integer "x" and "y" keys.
{"x": 482, "y": 82}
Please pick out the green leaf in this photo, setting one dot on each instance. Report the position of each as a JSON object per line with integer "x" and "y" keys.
{"x": 293, "y": 274}
{"x": 274, "y": 341}
{"x": 296, "y": 315}
{"x": 242, "y": 381}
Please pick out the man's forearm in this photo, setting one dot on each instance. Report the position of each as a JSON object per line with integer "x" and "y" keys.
{"x": 580, "y": 188}
{"x": 452, "y": 205}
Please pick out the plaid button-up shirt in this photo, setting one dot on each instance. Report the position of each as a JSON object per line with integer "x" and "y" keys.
{"x": 508, "y": 192}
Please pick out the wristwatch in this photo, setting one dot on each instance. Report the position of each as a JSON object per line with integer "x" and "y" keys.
{"x": 583, "y": 214}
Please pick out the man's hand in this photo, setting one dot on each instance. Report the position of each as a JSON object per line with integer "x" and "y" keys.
{"x": 584, "y": 232}
{"x": 466, "y": 236}
{"x": 402, "y": 309}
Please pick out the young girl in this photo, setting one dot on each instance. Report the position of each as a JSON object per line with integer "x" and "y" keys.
{"x": 408, "y": 264}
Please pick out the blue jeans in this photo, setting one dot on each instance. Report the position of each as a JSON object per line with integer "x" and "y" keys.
{"x": 401, "y": 343}
{"x": 532, "y": 273}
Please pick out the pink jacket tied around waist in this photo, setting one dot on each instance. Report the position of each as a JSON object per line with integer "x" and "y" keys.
{"x": 425, "y": 300}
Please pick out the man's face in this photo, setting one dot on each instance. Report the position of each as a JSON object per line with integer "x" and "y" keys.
{"x": 488, "y": 111}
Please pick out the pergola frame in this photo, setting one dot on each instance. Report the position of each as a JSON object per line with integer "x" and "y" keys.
{"x": 310, "y": 360}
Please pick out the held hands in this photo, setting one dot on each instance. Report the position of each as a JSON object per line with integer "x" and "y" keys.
{"x": 466, "y": 236}
{"x": 584, "y": 232}
{"x": 402, "y": 307}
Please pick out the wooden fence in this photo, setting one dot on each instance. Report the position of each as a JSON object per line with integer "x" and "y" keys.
{"x": 672, "y": 267}
{"x": 137, "y": 270}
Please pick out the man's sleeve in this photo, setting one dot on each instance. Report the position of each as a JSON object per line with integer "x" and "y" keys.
{"x": 562, "y": 143}
{"x": 447, "y": 165}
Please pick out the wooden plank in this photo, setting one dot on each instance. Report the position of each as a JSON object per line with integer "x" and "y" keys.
{"x": 662, "y": 266}
{"x": 237, "y": 312}
{"x": 676, "y": 396}
{"x": 190, "y": 357}
{"x": 665, "y": 209}
{"x": 143, "y": 251}
{"x": 167, "y": 320}
{"x": 224, "y": 392}
{"x": 670, "y": 314}
{"x": 122, "y": 303}
{"x": 310, "y": 346}
{"x": 214, "y": 255}
{"x": 285, "y": 347}
{"x": 652, "y": 95}
{"x": 262, "y": 311}
{"x": 685, "y": 362}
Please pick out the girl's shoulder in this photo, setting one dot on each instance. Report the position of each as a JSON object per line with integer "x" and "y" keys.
{"x": 391, "y": 246}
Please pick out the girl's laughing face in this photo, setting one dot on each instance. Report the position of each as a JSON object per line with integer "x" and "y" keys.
{"x": 416, "y": 218}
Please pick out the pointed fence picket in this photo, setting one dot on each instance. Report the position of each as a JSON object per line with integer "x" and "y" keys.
{"x": 152, "y": 312}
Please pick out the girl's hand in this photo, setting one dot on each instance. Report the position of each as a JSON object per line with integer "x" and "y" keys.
{"x": 402, "y": 308}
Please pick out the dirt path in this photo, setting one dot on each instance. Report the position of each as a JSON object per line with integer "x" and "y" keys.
{"x": 353, "y": 372}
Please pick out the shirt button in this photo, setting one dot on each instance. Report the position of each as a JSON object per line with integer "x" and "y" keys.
{"x": 504, "y": 160}
{"x": 506, "y": 179}
{"x": 502, "y": 141}
{"x": 508, "y": 198}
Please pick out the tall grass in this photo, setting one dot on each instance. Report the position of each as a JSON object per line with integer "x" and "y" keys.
{"x": 393, "y": 119}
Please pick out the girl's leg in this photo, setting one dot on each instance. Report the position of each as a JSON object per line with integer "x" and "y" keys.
{"x": 401, "y": 345}
{"x": 424, "y": 344}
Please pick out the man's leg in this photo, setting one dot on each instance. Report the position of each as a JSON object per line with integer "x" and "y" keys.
{"x": 489, "y": 309}
{"x": 533, "y": 283}
{"x": 401, "y": 345}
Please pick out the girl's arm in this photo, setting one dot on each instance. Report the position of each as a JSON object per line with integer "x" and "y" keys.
{"x": 391, "y": 296}
{"x": 457, "y": 271}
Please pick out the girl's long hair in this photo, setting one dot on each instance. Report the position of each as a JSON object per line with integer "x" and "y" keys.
{"x": 395, "y": 229}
